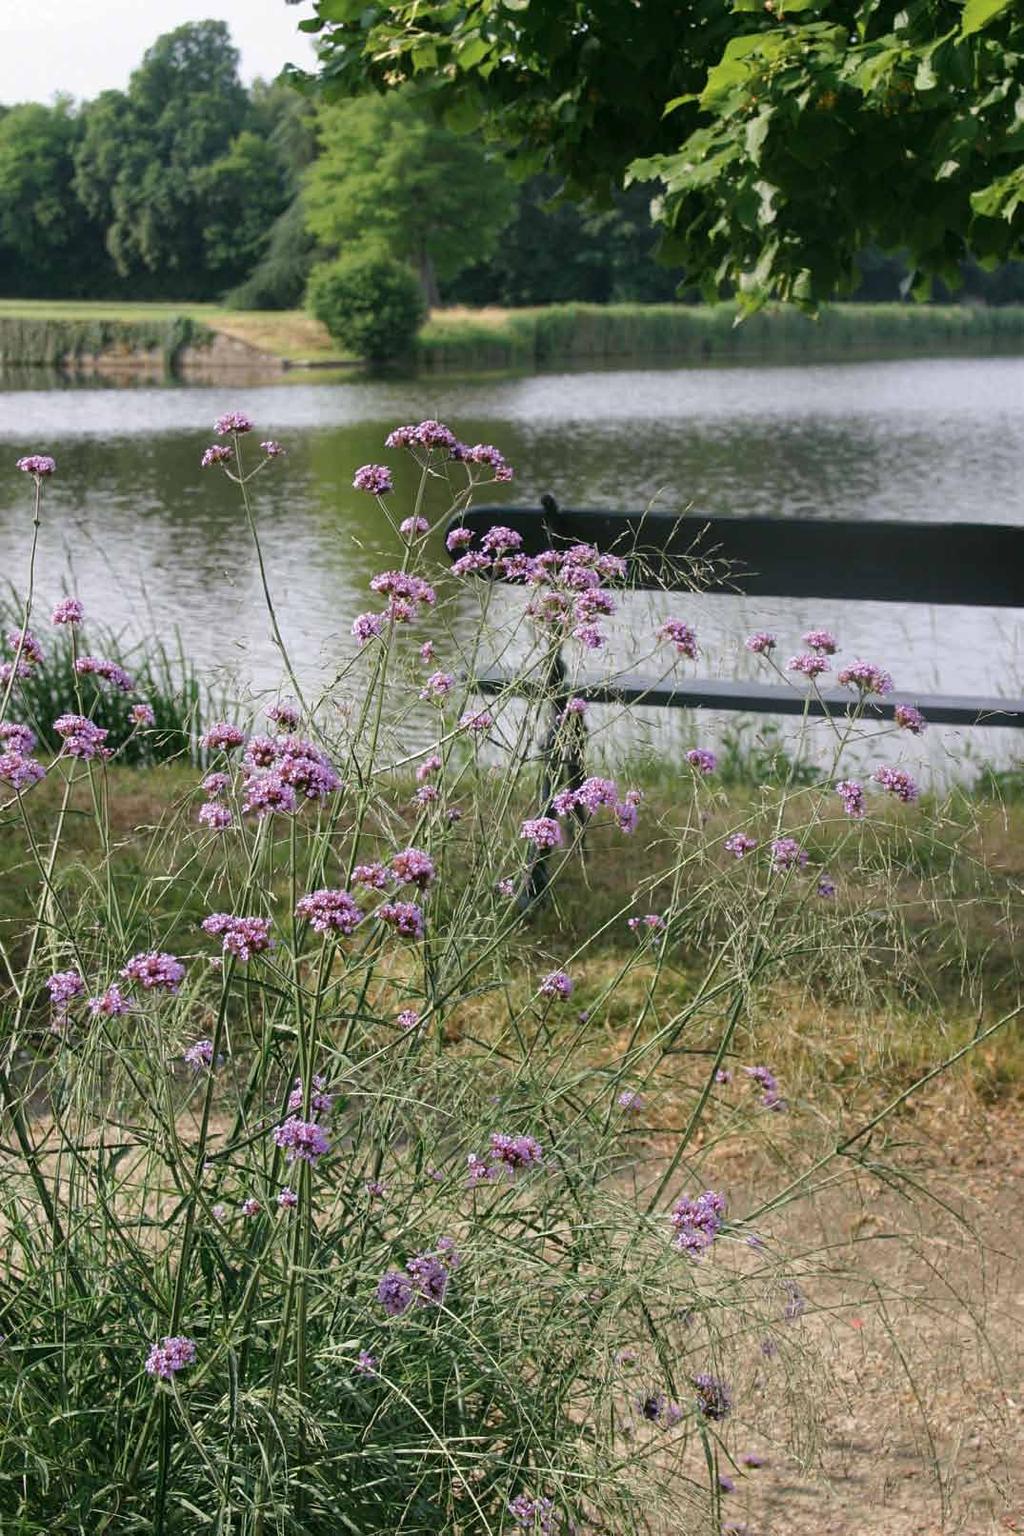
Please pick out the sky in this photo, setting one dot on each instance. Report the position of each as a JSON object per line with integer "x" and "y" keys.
{"x": 81, "y": 47}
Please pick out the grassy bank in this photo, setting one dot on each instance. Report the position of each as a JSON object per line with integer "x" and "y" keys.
{"x": 54, "y": 334}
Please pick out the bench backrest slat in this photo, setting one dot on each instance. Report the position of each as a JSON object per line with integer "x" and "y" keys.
{"x": 976, "y": 564}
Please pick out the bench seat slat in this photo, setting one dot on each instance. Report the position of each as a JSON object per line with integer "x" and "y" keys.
{"x": 769, "y": 698}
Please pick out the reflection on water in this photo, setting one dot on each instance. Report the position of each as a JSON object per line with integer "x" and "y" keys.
{"x": 150, "y": 541}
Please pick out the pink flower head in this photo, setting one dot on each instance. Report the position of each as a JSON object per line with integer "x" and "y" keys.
{"x": 851, "y": 793}
{"x": 427, "y": 651}
{"x": 437, "y": 686}
{"x": 405, "y": 917}
{"x": 651, "y": 922}
{"x": 909, "y": 718}
{"x": 199, "y": 1055}
{"x": 866, "y": 678}
{"x": 413, "y": 527}
{"x": 38, "y": 464}
{"x": 287, "y": 1199}
{"x": 241, "y": 937}
{"x": 374, "y": 478}
{"x": 31, "y": 651}
{"x": 155, "y": 970}
{"x": 170, "y": 1356}
{"x": 81, "y": 737}
{"x": 232, "y": 421}
{"x": 303, "y": 1140}
{"x": 222, "y": 737}
{"x": 499, "y": 540}
{"x": 896, "y": 781}
{"x": 544, "y": 831}
{"x": 739, "y": 845}
{"x": 272, "y": 449}
{"x": 215, "y": 818}
{"x": 329, "y": 911}
{"x": 367, "y": 626}
{"x": 106, "y": 671}
{"x": 429, "y": 766}
{"x": 17, "y": 738}
{"x": 788, "y": 854}
{"x": 459, "y": 538}
{"x": 267, "y": 794}
{"x": 761, "y": 642}
{"x": 376, "y": 876}
{"x": 515, "y": 1152}
{"x": 321, "y": 1102}
{"x": 822, "y": 641}
{"x": 557, "y": 984}
{"x": 217, "y": 453}
{"x": 681, "y": 635}
{"x": 471, "y": 562}
{"x": 110, "y": 1004}
{"x": 142, "y": 715}
{"x": 63, "y": 986}
{"x": 412, "y": 867}
{"x": 429, "y": 434}
{"x": 68, "y": 611}
{"x": 407, "y": 1019}
{"x": 251, "y": 1207}
{"x": 478, "y": 721}
{"x": 20, "y": 772}
{"x": 808, "y": 664}
{"x": 702, "y": 760}
{"x": 285, "y": 716}
{"x": 630, "y": 1100}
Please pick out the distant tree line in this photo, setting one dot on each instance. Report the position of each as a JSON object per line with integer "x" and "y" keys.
{"x": 188, "y": 185}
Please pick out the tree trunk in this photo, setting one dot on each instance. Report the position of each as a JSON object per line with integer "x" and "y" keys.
{"x": 428, "y": 278}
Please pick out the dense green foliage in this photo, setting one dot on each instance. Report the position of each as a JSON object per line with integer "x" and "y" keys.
{"x": 370, "y": 303}
{"x": 390, "y": 178}
{"x": 786, "y": 137}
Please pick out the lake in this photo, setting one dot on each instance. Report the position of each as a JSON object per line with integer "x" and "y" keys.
{"x": 149, "y": 541}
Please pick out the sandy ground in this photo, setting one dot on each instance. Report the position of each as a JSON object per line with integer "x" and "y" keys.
{"x": 920, "y": 1382}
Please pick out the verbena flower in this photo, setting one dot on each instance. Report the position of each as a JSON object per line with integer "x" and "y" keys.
{"x": 437, "y": 686}
{"x": 272, "y": 449}
{"x": 544, "y": 831}
{"x": 556, "y": 984}
{"x": 897, "y": 781}
{"x": 713, "y": 1397}
{"x": 199, "y": 1055}
{"x": 81, "y": 737}
{"x": 909, "y": 718}
{"x": 107, "y": 671}
{"x": 267, "y": 794}
{"x": 771, "y": 1098}
{"x": 395, "y": 1292}
{"x": 38, "y": 464}
{"x": 429, "y": 434}
{"x": 739, "y": 845}
{"x": 428, "y": 766}
{"x": 427, "y": 651}
{"x": 413, "y": 527}
{"x": 155, "y": 970}
{"x": 761, "y": 642}
{"x": 407, "y": 1019}
{"x": 321, "y": 1102}
{"x": 651, "y": 921}
{"x": 498, "y": 540}
{"x": 110, "y": 1004}
{"x": 631, "y": 1101}
{"x": 31, "y": 651}
{"x": 216, "y": 818}
{"x": 413, "y": 867}
{"x": 217, "y": 453}
{"x": 459, "y": 538}
{"x": 142, "y": 715}
{"x": 20, "y": 772}
{"x": 375, "y": 876}
{"x": 285, "y": 716}
{"x": 366, "y": 1364}
{"x": 17, "y": 738}
{"x": 329, "y": 911}
{"x": 222, "y": 737}
{"x": 470, "y": 563}
{"x": 866, "y": 678}
{"x": 478, "y": 721}
{"x": 697, "y": 1222}
{"x": 367, "y": 626}
{"x": 681, "y": 635}
{"x": 515, "y": 1152}
{"x": 303, "y": 1140}
{"x": 787, "y": 853}
{"x": 702, "y": 760}
{"x": 822, "y": 641}
{"x": 287, "y": 1198}
{"x": 251, "y": 1206}
{"x": 64, "y": 986}
{"x": 851, "y": 793}
{"x": 241, "y": 937}
{"x": 68, "y": 611}
{"x": 232, "y": 421}
{"x": 170, "y": 1356}
{"x": 374, "y": 478}
{"x": 808, "y": 664}
{"x": 533, "y": 1514}
{"x": 826, "y": 887}
{"x": 405, "y": 917}
{"x": 215, "y": 784}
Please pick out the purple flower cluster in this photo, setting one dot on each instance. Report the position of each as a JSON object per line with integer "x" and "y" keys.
{"x": 155, "y": 971}
{"x": 413, "y": 867}
{"x": 657, "y": 1409}
{"x": 557, "y": 984}
{"x": 808, "y": 664}
{"x": 217, "y": 453}
{"x": 909, "y": 718}
{"x": 437, "y": 686}
{"x": 700, "y": 759}
{"x": 761, "y": 642}
{"x": 479, "y": 721}
{"x": 81, "y": 737}
{"x": 64, "y": 987}
{"x": 232, "y": 421}
{"x": 866, "y": 678}
{"x": 284, "y": 716}
{"x": 739, "y": 845}
{"x": 851, "y": 793}
{"x": 514, "y": 1152}
{"x": 106, "y": 671}
{"x": 713, "y": 1398}
{"x": 199, "y": 1055}
{"x": 38, "y": 464}
{"x": 303, "y": 1140}
{"x": 366, "y": 1364}
{"x": 17, "y": 738}
{"x": 222, "y": 737}
{"x": 142, "y": 715}
{"x": 533, "y": 1514}
{"x": 216, "y": 818}
{"x": 821, "y": 640}
{"x": 272, "y": 449}
{"x": 631, "y": 1101}
{"x": 425, "y": 1280}
{"x": 321, "y": 1102}
{"x": 788, "y": 854}
{"x": 413, "y": 527}
{"x": 650, "y": 921}
{"x": 242, "y": 937}
{"x": 110, "y": 1004}
{"x": 897, "y": 781}
{"x": 19, "y": 771}
{"x": 329, "y": 911}
{"x": 542, "y": 831}
{"x": 697, "y": 1222}
{"x": 681, "y": 635}
{"x": 771, "y": 1097}
{"x": 590, "y": 797}
{"x": 373, "y": 478}
{"x": 68, "y": 611}
{"x": 435, "y": 437}
{"x": 405, "y": 917}
{"x": 281, "y": 770}
{"x": 171, "y": 1355}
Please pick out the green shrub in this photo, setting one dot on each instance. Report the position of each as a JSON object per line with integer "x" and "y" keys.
{"x": 369, "y": 303}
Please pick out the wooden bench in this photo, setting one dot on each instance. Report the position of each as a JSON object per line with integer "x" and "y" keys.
{"x": 973, "y": 564}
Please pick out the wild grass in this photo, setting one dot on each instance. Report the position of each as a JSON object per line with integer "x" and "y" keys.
{"x": 466, "y": 1308}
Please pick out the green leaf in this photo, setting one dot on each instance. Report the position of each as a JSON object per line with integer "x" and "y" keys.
{"x": 978, "y": 14}
{"x": 472, "y": 51}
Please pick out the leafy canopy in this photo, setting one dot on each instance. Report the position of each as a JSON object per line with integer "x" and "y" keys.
{"x": 786, "y": 135}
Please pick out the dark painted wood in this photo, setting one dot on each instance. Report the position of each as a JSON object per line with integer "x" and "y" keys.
{"x": 976, "y": 564}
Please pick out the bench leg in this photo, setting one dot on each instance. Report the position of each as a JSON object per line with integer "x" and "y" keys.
{"x": 563, "y": 757}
